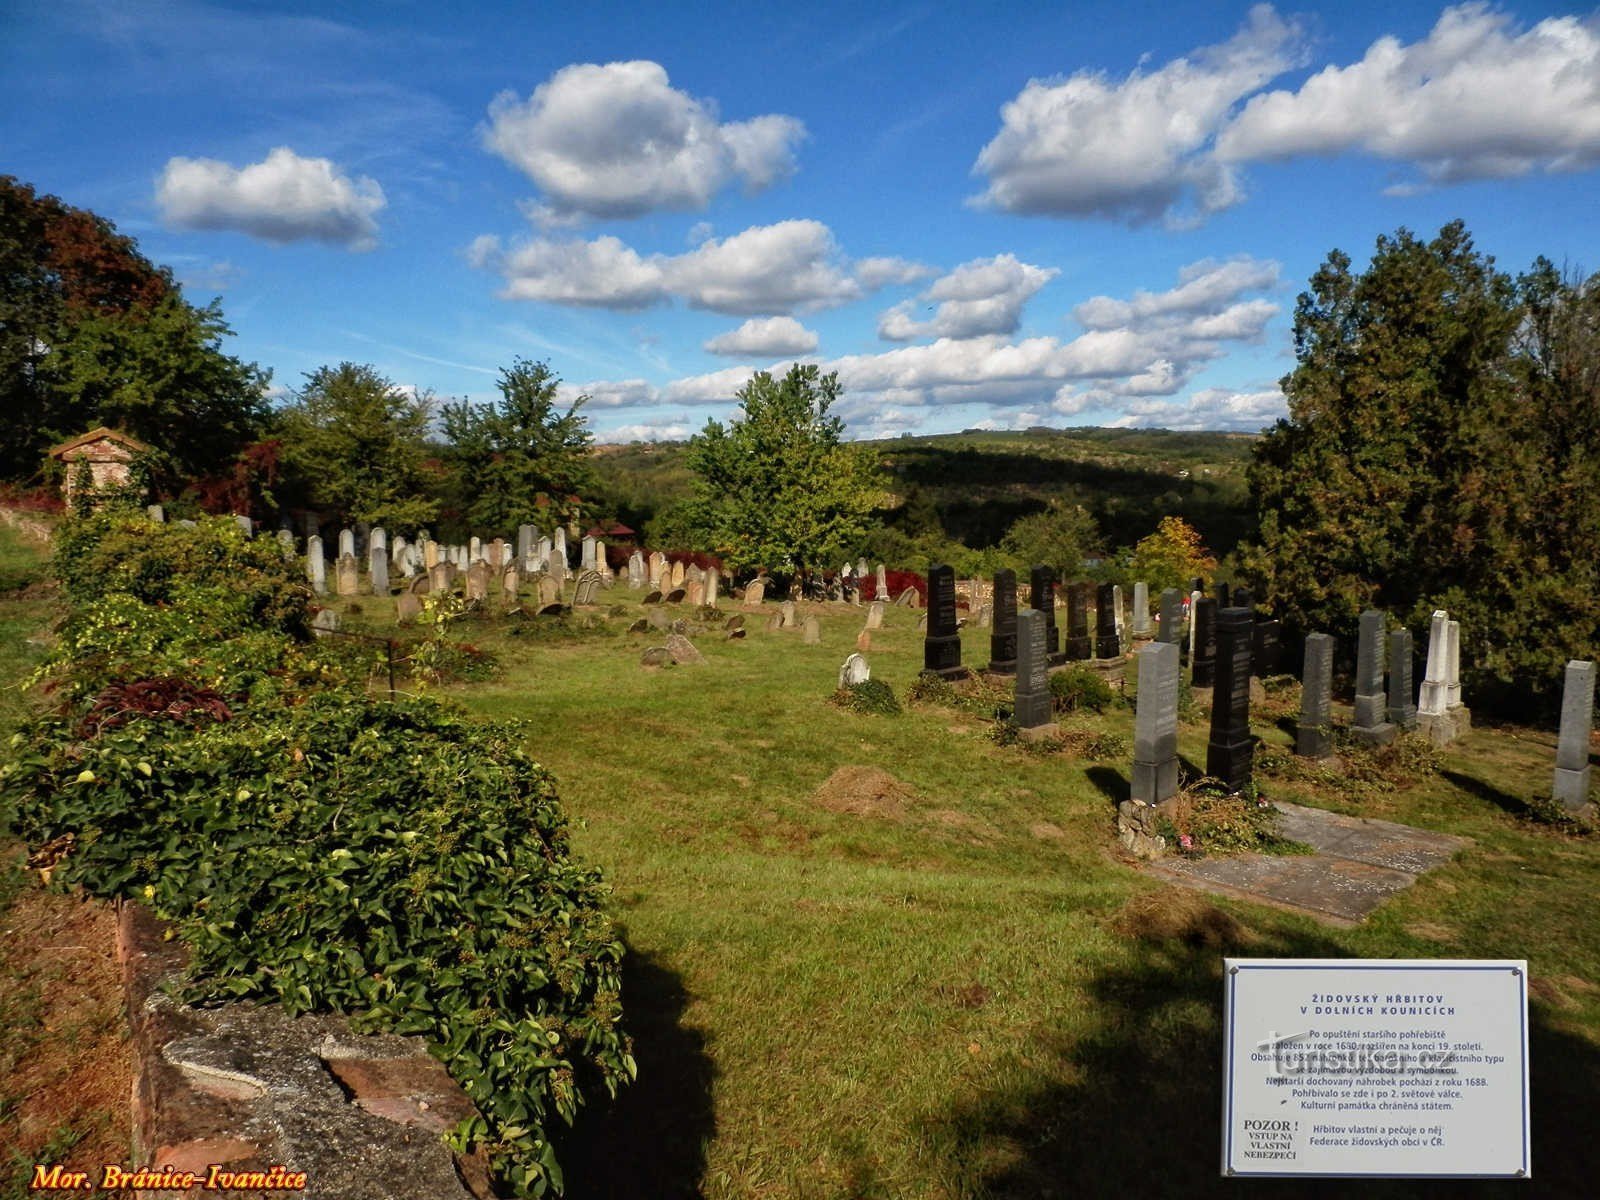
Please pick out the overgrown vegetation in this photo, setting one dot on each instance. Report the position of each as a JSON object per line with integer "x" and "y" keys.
{"x": 870, "y": 696}
{"x": 314, "y": 846}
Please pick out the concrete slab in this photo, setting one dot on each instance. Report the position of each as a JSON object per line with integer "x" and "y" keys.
{"x": 1359, "y": 864}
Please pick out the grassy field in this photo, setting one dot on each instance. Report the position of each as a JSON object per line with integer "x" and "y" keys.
{"x": 947, "y": 983}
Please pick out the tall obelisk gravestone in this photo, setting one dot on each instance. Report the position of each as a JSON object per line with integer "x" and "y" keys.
{"x": 1079, "y": 644}
{"x": 1314, "y": 737}
{"x": 1042, "y": 598}
{"x": 1371, "y": 725}
{"x": 1402, "y": 708}
{"x": 1003, "y": 638}
{"x": 941, "y": 647}
{"x": 1155, "y": 724}
{"x": 1572, "y": 749}
{"x": 1229, "y": 753}
{"x": 1107, "y": 642}
{"x": 1032, "y": 704}
{"x": 1203, "y": 612}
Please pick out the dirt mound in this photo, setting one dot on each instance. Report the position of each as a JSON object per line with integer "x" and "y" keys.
{"x": 864, "y": 792}
{"x": 1177, "y": 914}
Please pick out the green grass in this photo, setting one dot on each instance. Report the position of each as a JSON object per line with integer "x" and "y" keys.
{"x": 942, "y": 1004}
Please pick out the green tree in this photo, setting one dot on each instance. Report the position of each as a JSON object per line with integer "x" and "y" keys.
{"x": 508, "y": 452}
{"x": 778, "y": 487}
{"x": 1171, "y": 557}
{"x": 1061, "y": 537}
{"x": 93, "y": 333}
{"x": 1415, "y": 468}
{"x": 353, "y": 442}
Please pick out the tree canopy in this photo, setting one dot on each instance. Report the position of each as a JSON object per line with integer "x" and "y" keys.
{"x": 778, "y": 487}
{"x": 1060, "y": 537}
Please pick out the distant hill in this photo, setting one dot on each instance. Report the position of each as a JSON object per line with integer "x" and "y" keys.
{"x": 979, "y": 481}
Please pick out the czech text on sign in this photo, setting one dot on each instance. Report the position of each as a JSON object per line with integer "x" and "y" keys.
{"x": 1414, "y": 1068}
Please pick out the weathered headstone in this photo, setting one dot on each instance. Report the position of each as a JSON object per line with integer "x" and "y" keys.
{"x": 420, "y": 586}
{"x": 677, "y": 575}
{"x": 854, "y": 670}
{"x": 908, "y": 597}
{"x": 1572, "y": 746}
{"x": 985, "y": 619}
{"x": 1155, "y": 724}
{"x": 683, "y": 650}
{"x": 156, "y": 513}
{"x": 875, "y": 612}
{"x": 1203, "y": 662}
{"x": 347, "y": 543}
{"x": 1141, "y": 609}
{"x": 755, "y": 591}
{"x": 478, "y": 575}
{"x": 941, "y": 647}
{"x": 713, "y": 584}
{"x": 1106, "y": 642}
{"x": 474, "y": 549}
{"x": 347, "y": 575}
{"x": 378, "y": 570}
{"x": 786, "y": 611}
{"x": 1434, "y": 698}
{"x": 558, "y": 549}
{"x": 1171, "y": 616}
{"x": 1267, "y": 649}
{"x": 1031, "y": 706}
{"x": 811, "y": 632}
{"x": 1402, "y": 712}
{"x": 316, "y": 566}
{"x": 1003, "y": 640}
{"x": 881, "y": 584}
{"x": 286, "y": 542}
{"x": 1042, "y": 599}
{"x": 1314, "y": 735}
{"x": 324, "y": 621}
{"x": 586, "y": 553}
{"x": 407, "y": 608}
{"x": 510, "y": 581}
{"x": 676, "y": 596}
{"x": 441, "y": 577}
{"x": 588, "y": 584}
{"x": 549, "y": 590}
{"x": 1454, "y": 705}
{"x": 1230, "y": 753}
{"x": 430, "y": 554}
{"x": 775, "y": 621}
{"x": 246, "y": 525}
{"x": 1116, "y": 610}
{"x": 694, "y": 593}
{"x": 1078, "y": 643}
{"x": 525, "y": 542}
{"x": 1371, "y": 727}
{"x": 636, "y": 571}
{"x": 655, "y": 656}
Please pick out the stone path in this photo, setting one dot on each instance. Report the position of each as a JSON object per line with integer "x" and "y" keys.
{"x": 1358, "y": 865}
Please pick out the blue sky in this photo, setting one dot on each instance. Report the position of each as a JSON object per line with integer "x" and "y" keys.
{"x": 980, "y": 215}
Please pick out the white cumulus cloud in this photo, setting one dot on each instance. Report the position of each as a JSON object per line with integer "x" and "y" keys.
{"x": 765, "y": 337}
{"x": 619, "y": 140}
{"x": 283, "y": 198}
{"x": 980, "y": 297}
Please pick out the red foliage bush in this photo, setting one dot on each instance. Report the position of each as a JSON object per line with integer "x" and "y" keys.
{"x": 898, "y": 582}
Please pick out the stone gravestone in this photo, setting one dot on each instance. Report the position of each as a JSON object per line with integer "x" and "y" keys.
{"x": 875, "y": 612}
{"x": 636, "y": 571}
{"x": 586, "y": 554}
{"x": 558, "y": 549}
{"x": 525, "y": 539}
{"x": 1171, "y": 616}
{"x": 474, "y": 549}
{"x": 549, "y": 590}
{"x": 588, "y": 585}
{"x": 1116, "y": 610}
{"x": 1203, "y": 662}
{"x": 325, "y": 621}
{"x": 677, "y": 575}
{"x": 1572, "y": 748}
{"x": 478, "y": 580}
{"x": 430, "y": 554}
{"x": 755, "y": 591}
{"x": 347, "y": 543}
{"x": 378, "y": 570}
{"x": 908, "y": 597}
{"x": 986, "y": 617}
{"x": 811, "y": 632}
{"x": 1268, "y": 648}
{"x": 1402, "y": 712}
{"x": 1042, "y": 599}
{"x": 1243, "y": 597}
{"x": 1031, "y": 706}
{"x": 347, "y": 575}
{"x": 1106, "y": 642}
{"x": 440, "y": 578}
{"x": 1078, "y": 644}
{"x": 1314, "y": 735}
{"x": 286, "y": 541}
{"x": 1229, "y": 753}
{"x": 407, "y": 609}
{"x": 786, "y": 612}
{"x": 676, "y": 596}
{"x": 1371, "y": 727}
{"x": 694, "y": 593}
{"x": 1141, "y": 609}
{"x": 683, "y": 651}
{"x": 713, "y": 583}
{"x": 775, "y": 621}
{"x": 510, "y": 581}
{"x": 1457, "y": 710}
{"x": 246, "y": 525}
{"x": 1003, "y": 640}
{"x": 1434, "y": 716}
{"x": 156, "y": 513}
{"x": 853, "y": 671}
{"x": 1155, "y": 724}
{"x": 420, "y": 586}
{"x": 1224, "y": 595}
{"x": 941, "y": 647}
{"x": 316, "y": 565}
{"x": 881, "y": 584}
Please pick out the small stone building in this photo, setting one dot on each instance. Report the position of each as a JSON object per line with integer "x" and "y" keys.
{"x": 107, "y": 453}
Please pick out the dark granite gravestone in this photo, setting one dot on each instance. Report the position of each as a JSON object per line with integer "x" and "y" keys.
{"x": 1229, "y": 753}
{"x": 1079, "y": 645}
{"x": 1243, "y": 597}
{"x": 1267, "y": 647}
{"x": 1571, "y": 785}
{"x": 1155, "y": 724}
{"x": 941, "y": 647}
{"x": 1003, "y": 636}
{"x": 1371, "y": 725}
{"x": 1314, "y": 735}
{"x": 1171, "y": 616}
{"x": 1224, "y": 594}
{"x": 1197, "y": 585}
{"x": 1402, "y": 708}
{"x": 1107, "y": 642}
{"x": 1032, "y": 704}
{"x": 1042, "y": 598}
{"x": 1204, "y": 666}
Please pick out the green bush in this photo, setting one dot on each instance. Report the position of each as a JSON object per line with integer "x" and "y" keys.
{"x": 868, "y": 696}
{"x": 1079, "y": 689}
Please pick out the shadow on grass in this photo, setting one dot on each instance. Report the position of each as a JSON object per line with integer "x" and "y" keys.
{"x": 651, "y": 1141}
{"x": 1113, "y": 784}
{"x": 1473, "y": 786}
{"x": 1133, "y": 1107}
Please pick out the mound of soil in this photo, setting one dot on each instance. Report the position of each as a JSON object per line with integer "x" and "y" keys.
{"x": 864, "y": 792}
{"x": 1178, "y": 914}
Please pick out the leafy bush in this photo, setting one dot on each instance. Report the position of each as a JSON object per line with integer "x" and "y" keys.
{"x": 929, "y": 688}
{"x": 1199, "y": 821}
{"x": 868, "y": 696}
{"x": 1080, "y": 689}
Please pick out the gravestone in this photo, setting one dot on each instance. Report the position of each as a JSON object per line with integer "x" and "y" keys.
{"x": 655, "y": 656}
{"x": 652, "y": 597}
{"x": 440, "y": 577}
{"x": 1433, "y": 700}
{"x": 549, "y": 590}
{"x": 861, "y": 569}
{"x": 1243, "y": 597}
{"x": 734, "y": 622}
{"x": 378, "y": 539}
{"x": 941, "y": 647}
{"x": 1031, "y": 707}
{"x": 316, "y": 565}
{"x": 430, "y": 554}
{"x": 1371, "y": 727}
{"x": 1155, "y": 724}
{"x": 286, "y": 542}
{"x": 478, "y": 575}
{"x": 683, "y": 650}
{"x": 1171, "y": 616}
{"x": 498, "y": 554}
{"x": 1141, "y": 609}
{"x": 586, "y": 553}
{"x": 1191, "y": 647}
{"x": 811, "y": 632}
{"x": 525, "y": 542}
{"x": 908, "y": 597}
{"x": 1203, "y": 662}
{"x": 658, "y": 571}
{"x": 875, "y": 612}
{"x": 881, "y": 584}
{"x": 676, "y": 596}
{"x": 986, "y": 617}
{"x": 347, "y": 575}
{"x": 1455, "y": 708}
{"x": 786, "y": 612}
{"x": 694, "y": 593}
{"x": 1003, "y": 640}
{"x": 407, "y": 608}
{"x": 636, "y": 574}
{"x": 1572, "y": 747}
{"x": 1268, "y": 648}
{"x": 588, "y": 584}
{"x": 755, "y": 591}
{"x": 1042, "y": 599}
{"x": 557, "y": 570}
{"x": 347, "y": 543}
{"x": 658, "y": 619}
{"x": 246, "y": 525}
{"x": 156, "y": 513}
{"x": 1223, "y": 594}
{"x": 1314, "y": 735}
{"x": 558, "y": 549}
{"x": 510, "y": 581}
{"x": 713, "y": 584}
{"x": 378, "y": 570}
{"x": 1078, "y": 643}
{"x": 420, "y": 586}
{"x": 1229, "y": 753}
{"x": 1402, "y": 712}
{"x": 677, "y": 575}
{"x": 474, "y": 550}
{"x": 1106, "y": 642}
{"x": 1116, "y": 610}
{"x": 854, "y": 670}
{"x": 325, "y": 621}
{"x": 775, "y": 621}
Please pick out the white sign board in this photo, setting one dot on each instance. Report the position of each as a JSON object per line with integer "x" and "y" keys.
{"x": 1400, "y": 1068}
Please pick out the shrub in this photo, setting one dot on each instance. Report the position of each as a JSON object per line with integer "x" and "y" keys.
{"x": 929, "y": 688}
{"x": 1200, "y": 820}
{"x": 1080, "y": 689}
{"x": 868, "y": 696}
